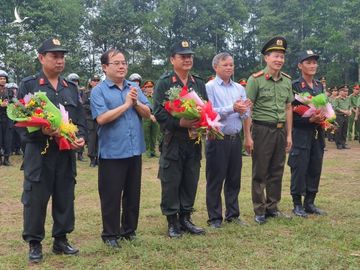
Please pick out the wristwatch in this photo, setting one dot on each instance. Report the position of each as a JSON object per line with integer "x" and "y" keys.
{"x": 137, "y": 103}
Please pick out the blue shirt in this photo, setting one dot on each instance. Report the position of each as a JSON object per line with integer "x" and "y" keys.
{"x": 223, "y": 96}
{"x": 123, "y": 137}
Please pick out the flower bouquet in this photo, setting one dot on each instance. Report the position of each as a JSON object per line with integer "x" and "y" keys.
{"x": 187, "y": 104}
{"x": 311, "y": 105}
{"x": 35, "y": 111}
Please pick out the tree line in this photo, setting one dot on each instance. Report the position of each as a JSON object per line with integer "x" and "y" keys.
{"x": 146, "y": 29}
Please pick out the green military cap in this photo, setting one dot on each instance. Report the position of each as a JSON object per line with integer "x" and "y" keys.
{"x": 343, "y": 87}
{"x": 306, "y": 55}
{"x": 181, "y": 47}
{"x": 51, "y": 45}
{"x": 275, "y": 44}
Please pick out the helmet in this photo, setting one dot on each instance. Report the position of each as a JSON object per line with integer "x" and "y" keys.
{"x": 135, "y": 77}
{"x": 11, "y": 86}
{"x": 73, "y": 77}
{"x": 3, "y": 73}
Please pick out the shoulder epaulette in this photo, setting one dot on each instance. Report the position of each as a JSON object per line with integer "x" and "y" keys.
{"x": 258, "y": 74}
{"x": 165, "y": 75}
{"x": 286, "y": 75}
{"x": 29, "y": 78}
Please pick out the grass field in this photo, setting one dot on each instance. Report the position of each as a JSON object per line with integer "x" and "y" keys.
{"x": 330, "y": 242}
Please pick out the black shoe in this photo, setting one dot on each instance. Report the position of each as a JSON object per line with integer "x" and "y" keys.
{"x": 260, "y": 219}
{"x": 299, "y": 211}
{"x": 80, "y": 157}
{"x": 276, "y": 214}
{"x": 129, "y": 237}
{"x": 6, "y": 161}
{"x": 236, "y": 221}
{"x": 63, "y": 247}
{"x": 35, "y": 252}
{"x": 344, "y": 146}
{"x": 18, "y": 153}
{"x": 112, "y": 243}
{"x": 312, "y": 209}
{"x": 188, "y": 226}
{"x": 339, "y": 147}
{"x": 174, "y": 230}
{"x": 93, "y": 162}
{"x": 215, "y": 224}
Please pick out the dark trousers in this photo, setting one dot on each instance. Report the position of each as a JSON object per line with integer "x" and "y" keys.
{"x": 340, "y": 134}
{"x": 5, "y": 135}
{"x": 119, "y": 188}
{"x": 92, "y": 138}
{"x": 179, "y": 174}
{"x": 306, "y": 165}
{"x": 223, "y": 167}
{"x": 57, "y": 180}
{"x": 268, "y": 160}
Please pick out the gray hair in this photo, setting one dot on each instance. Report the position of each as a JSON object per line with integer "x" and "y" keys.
{"x": 220, "y": 57}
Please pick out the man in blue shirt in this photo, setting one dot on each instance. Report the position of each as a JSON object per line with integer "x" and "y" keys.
{"x": 118, "y": 106}
{"x": 224, "y": 157}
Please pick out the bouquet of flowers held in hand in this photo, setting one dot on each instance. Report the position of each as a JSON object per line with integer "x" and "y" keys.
{"x": 187, "y": 104}
{"x": 35, "y": 111}
{"x": 312, "y": 105}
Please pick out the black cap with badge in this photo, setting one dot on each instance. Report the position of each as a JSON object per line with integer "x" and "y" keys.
{"x": 51, "y": 45}
{"x": 306, "y": 55}
{"x": 181, "y": 47}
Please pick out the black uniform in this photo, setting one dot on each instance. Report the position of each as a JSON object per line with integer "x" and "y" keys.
{"x": 91, "y": 125}
{"x": 53, "y": 173}
{"x": 6, "y": 126}
{"x": 306, "y": 155}
{"x": 180, "y": 157}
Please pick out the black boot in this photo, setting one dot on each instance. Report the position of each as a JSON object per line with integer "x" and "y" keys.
{"x": 299, "y": 211}
{"x": 6, "y": 161}
{"x": 173, "y": 226}
{"x": 188, "y": 226}
{"x": 80, "y": 157}
{"x": 310, "y": 207}
{"x": 1, "y": 160}
{"x": 92, "y": 162}
{"x": 35, "y": 252}
{"x": 62, "y": 246}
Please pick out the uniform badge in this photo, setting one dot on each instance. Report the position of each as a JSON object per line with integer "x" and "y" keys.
{"x": 41, "y": 81}
{"x": 192, "y": 79}
{"x": 185, "y": 44}
{"x": 267, "y": 76}
{"x": 309, "y": 52}
{"x": 279, "y": 42}
{"x": 174, "y": 79}
{"x": 65, "y": 83}
{"x": 303, "y": 85}
{"x": 56, "y": 42}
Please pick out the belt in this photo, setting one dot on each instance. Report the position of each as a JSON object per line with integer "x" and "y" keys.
{"x": 269, "y": 124}
{"x": 232, "y": 137}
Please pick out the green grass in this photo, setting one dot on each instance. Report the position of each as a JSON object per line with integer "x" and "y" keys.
{"x": 330, "y": 242}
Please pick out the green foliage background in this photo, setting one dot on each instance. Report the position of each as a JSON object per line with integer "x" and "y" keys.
{"x": 146, "y": 29}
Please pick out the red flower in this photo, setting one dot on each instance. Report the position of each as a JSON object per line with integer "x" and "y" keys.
{"x": 21, "y": 100}
{"x": 177, "y": 107}
{"x": 301, "y": 109}
{"x": 38, "y": 110}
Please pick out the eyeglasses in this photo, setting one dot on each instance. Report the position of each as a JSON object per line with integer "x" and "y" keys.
{"x": 118, "y": 63}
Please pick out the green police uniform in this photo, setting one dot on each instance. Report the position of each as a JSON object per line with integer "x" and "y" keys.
{"x": 342, "y": 120}
{"x": 269, "y": 98}
{"x": 180, "y": 156}
{"x": 353, "y": 101}
{"x": 151, "y": 130}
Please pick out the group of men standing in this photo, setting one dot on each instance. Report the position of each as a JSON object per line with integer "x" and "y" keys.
{"x": 118, "y": 106}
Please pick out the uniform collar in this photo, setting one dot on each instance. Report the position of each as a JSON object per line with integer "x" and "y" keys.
{"x": 268, "y": 76}
{"x": 175, "y": 79}
{"x": 43, "y": 80}
{"x": 111, "y": 84}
